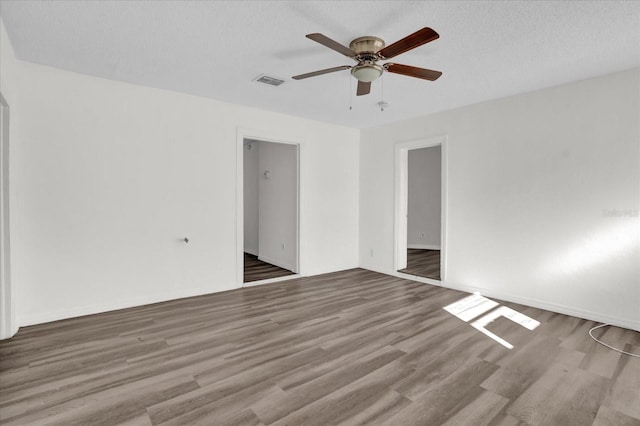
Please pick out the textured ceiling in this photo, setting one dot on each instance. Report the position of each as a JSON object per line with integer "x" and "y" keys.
{"x": 215, "y": 49}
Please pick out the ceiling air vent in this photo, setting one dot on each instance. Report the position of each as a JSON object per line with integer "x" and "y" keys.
{"x": 267, "y": 79}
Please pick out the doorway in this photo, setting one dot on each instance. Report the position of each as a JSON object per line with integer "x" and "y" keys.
{"x": 270, "y": 210}
{"x": 7, "y": 313}
{"x": 421, "y": 208}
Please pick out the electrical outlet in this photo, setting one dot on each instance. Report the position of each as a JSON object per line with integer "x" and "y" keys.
{"x": 422, "y": 235}
{"x": 371, "y": 252}
{"x": 282, "y": 246}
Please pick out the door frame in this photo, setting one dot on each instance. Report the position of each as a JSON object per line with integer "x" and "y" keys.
{"x": 8, "y": 321}
{"x": 264, "y": 136}
{"x": 402, "y": 197}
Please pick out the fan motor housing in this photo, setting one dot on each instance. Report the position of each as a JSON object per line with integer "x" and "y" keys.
{"x": 366, "y": 45}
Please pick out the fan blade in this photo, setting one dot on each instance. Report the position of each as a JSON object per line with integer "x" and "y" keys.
{"x": 413, "y": 71}
{"x": 331, "y": 44}
{"x": 363, "y": 88}
{"x": 314, "y": 73}
{"x": 412, "y": 41}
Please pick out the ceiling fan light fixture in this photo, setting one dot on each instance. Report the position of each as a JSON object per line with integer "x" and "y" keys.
{"x": 368, "y": 50}
{"x": 367, "y": 72}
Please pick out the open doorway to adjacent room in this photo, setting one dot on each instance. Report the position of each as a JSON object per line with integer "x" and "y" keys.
{"x": 270, "y": 198}
{"x": 8, "y": 326}
{"x": 419, "y": 243}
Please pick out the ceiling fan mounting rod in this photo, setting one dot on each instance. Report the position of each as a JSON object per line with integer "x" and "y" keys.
{"x": 367, "y": 45}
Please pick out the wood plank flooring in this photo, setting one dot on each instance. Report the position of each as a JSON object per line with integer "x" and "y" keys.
{"x": 255, "y": 269}
{"x": 352, "y": 347}
{"x": 423, "y": 263}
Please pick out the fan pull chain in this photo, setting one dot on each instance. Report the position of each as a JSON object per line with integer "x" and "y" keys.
{"x": 382, "y": 92}
{"x": 350, "y": 92}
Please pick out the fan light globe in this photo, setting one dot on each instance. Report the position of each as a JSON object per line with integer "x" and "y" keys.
{"x": 367, "y": 73}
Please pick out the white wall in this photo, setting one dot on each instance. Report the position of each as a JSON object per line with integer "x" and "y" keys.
{"x": 424, "y": 189}
{"x": 543, "y": 197}
{"x": 9, "y": 70}
{"x": 108, "y": 177}
{"x": 112, "y": 177}
{"x": 278, "y": 204}
{"x": 250, "y": 170}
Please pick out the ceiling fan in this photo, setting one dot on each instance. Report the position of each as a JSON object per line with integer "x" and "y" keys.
{"x": 368, "y": 50}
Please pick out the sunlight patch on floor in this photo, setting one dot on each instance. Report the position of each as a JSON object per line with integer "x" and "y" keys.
{"x": 475, "y": 305}
{"x": 470, "y": 307}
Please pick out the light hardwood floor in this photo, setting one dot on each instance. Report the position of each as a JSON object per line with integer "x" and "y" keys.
{"x": 353, "y": 347}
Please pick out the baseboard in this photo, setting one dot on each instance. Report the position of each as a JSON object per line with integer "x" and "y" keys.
{"x": 9, "y": 332}
{"x": 146, "y": 300}
{"x": 535, "y": 303}
{"x": 277, "y": 263}
{"x": 45, "y": 317}
{"x": 328, "y": 271}
{"x": 423, "y": 246}
{"x": 251, "y": 252}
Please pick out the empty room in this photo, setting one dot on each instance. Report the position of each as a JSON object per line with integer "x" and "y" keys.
{"x": 319, "y": 213}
